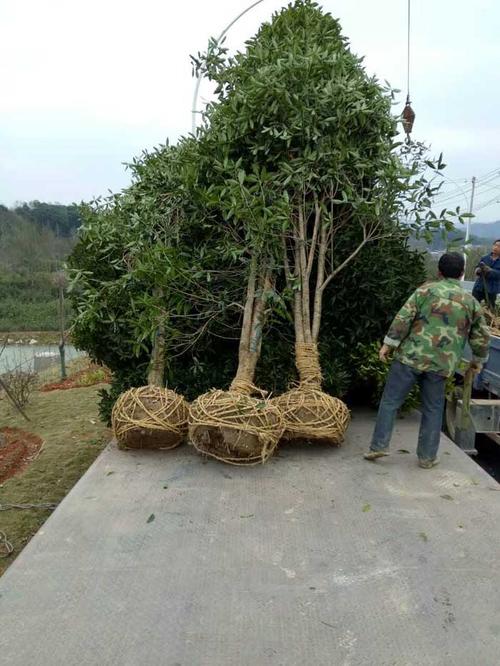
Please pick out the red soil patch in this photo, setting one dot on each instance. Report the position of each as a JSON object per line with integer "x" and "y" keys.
{"x": 90, "y": 376}
{"x": 17, "y": 449}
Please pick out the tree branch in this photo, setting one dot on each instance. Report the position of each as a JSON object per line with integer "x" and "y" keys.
{"x": 369, "y": 235}
{"x": 318, "y": 294}
{"x": 304, "y": 278}
{"x": 312, "y": 250}
{"x": 249, "y": 305}
{"x": 286, "y": 263}
{"x": 297, "y": 304}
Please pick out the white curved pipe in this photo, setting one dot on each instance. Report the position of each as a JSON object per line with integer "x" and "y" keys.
{"x": 199, "y": 78}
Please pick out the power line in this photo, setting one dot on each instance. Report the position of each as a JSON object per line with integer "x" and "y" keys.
{"x": 452, "y": 196}
{"x": 488, "y": 203}
{"x": 488, "y": 173}
{"x": 491, "y": 188}
{"x": 450, "y": 199}
{"x": 485, "y": 177}
{"x": 482, "y": 182}
{"x": 490, "y": 179}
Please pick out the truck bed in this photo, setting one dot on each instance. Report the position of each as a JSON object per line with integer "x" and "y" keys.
{"x": 317, "y": 558}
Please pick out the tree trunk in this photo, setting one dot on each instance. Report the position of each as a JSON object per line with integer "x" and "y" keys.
{"x": 251, "y": 332}
{"x": 62, "y": 356}
{"x": 304, "y": 273}
{"x": 306, "y": 350}
{"x": 318, "y": 292}
{"x": 156, "y": 368}
{"x": 62, "y": 341}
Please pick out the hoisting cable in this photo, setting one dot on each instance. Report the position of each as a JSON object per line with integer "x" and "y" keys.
{"x": 408, "y": 112}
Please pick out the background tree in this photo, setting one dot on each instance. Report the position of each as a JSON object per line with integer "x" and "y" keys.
{"x": 29, "y": 255}
{"x": 62, "y": 220}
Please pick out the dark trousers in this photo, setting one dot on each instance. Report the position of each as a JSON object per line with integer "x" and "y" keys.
{"x": 478, "y": 293}
{"x": 400, "y": 381}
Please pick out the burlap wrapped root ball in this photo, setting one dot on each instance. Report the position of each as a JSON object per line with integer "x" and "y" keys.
{"x": 234, "y": 427}
{"x": 309, "y": 414}
{"x": 150, "y": 417}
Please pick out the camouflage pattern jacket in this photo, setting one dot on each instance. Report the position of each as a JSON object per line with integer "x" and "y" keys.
{"x": 431, "y": 329}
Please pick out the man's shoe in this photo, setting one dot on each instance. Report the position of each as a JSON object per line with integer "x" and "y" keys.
{"x": 373, "y": 455}
{"x": 428, "y": 464}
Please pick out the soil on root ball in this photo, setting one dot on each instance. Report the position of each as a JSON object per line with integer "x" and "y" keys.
{"x": 149, "y": 438}
{"x": 227, "y": 443}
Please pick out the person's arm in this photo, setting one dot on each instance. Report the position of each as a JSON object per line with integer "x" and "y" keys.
{"x": 482, "y": 266}
{"x": 492, "y": 273}
{"x": 400, "y": 327}
{"x": 479, "y": 339}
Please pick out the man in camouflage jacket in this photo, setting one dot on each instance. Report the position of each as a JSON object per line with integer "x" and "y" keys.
{"x": 428, "y": 335}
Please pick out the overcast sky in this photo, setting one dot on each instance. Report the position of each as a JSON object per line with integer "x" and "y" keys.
{"x": 85, "y": 86}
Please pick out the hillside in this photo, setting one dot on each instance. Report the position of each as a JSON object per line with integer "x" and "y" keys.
{"x": 35, "y": 239}
{"x": 481, "y": 234}
{"x": 487, "y": 230}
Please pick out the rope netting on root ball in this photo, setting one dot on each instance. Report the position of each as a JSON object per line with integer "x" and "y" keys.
{"x": 234, "y": 427}
{"x": 150, "y": 417}
{"x": 493, "y": 321}
{"x": 308, "y": 412}
{"x": 240, "y": 426}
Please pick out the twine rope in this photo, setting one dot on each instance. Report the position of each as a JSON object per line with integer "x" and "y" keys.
{"x": 5, "y": 545}
{"x": 150, "y": 408}
{"x": 241, "y": 413}
{"x": 43, "y": 505}
{"x": 309, "y": 413}
{"x": 247, "y": 388}
{"x": 493, "y": 322}
{"x": 307, "y": 361}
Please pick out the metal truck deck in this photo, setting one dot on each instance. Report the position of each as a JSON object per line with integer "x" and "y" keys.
{"x": 318, "y": 558}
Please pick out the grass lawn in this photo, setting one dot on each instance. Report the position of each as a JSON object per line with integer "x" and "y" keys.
{"x": 73, "y": 436}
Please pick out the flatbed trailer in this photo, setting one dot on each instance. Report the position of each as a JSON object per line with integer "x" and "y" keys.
{"x": 317, "y": 558}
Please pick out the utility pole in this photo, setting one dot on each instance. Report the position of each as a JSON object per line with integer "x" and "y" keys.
{"x": 467, "y": 226}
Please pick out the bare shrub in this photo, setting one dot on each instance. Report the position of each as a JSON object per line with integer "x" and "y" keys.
{"x": 20, "y": 384}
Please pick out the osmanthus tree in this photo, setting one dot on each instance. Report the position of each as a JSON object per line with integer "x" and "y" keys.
{"x": 148, "y": 282}
{"x": 299, "y": 105}
{"x": 240, "y": 426}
